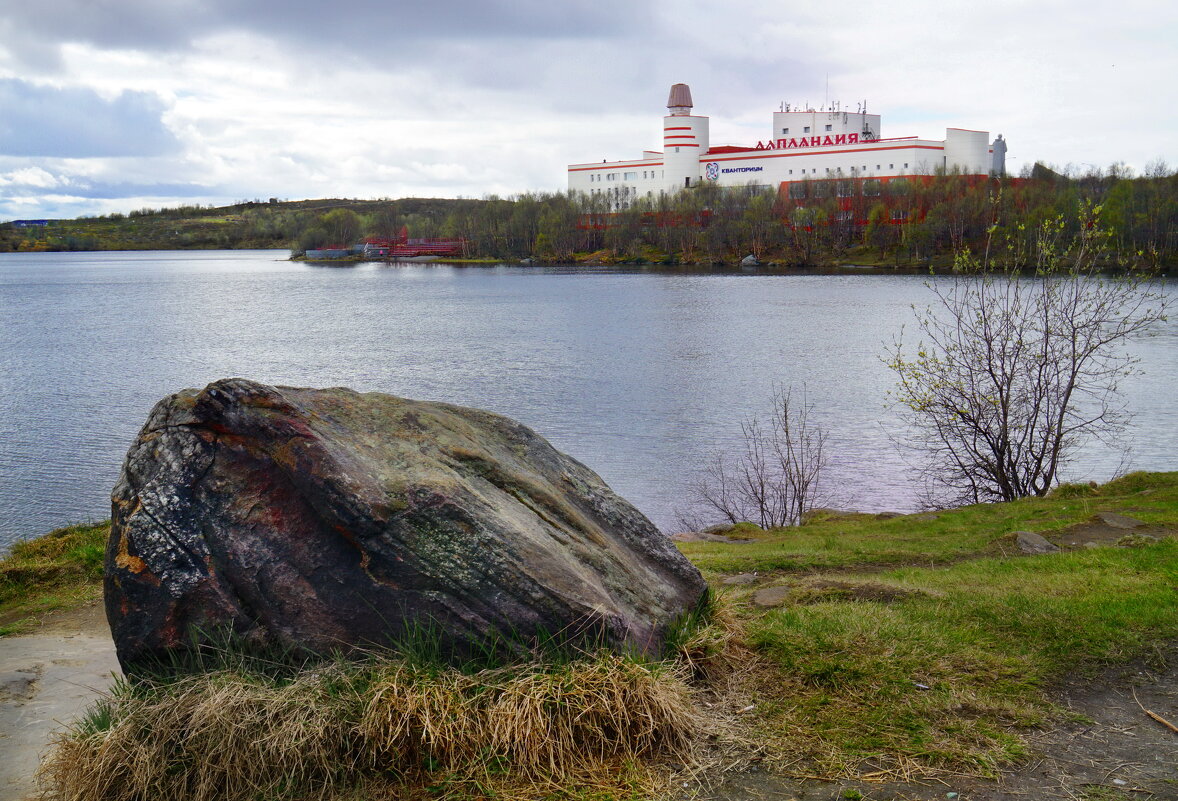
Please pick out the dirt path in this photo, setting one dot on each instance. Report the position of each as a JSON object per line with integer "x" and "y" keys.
{"x": 47, "y": 679}
{"x": 1111, "y": 750}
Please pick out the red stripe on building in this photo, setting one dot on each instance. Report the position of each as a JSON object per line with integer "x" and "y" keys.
{"x": 618, "y": 165}
{"x": 792, "y": 152}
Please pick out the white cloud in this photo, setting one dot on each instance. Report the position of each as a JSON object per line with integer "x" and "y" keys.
{"x": 468, "y": 97}
{"x": 30, "y": 178}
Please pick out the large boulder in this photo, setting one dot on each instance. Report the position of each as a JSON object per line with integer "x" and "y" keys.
{"x": 326, "y": 520}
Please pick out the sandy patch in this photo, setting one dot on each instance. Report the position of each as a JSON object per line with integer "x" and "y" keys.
{"x": 47, "y": 679}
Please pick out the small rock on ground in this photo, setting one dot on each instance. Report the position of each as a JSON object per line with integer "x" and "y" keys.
{"x": 771, "y": 597}
{"x": 1031, "y": 543}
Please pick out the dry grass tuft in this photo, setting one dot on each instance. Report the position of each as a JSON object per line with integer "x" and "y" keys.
{"x": 212, "y": 736}
{"x": 391, "y": 727}
{"x": 577, "y": 719}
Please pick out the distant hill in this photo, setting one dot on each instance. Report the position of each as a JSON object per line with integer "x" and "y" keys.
{"x": 253, "y": 224}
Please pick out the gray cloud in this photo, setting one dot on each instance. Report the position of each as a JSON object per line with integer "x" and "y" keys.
{"x": 118, "y": 191}
{"x": 385, "y": 29}
{"x": 79, "y": 123}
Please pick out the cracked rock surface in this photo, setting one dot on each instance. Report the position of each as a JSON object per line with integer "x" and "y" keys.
{"x": 327, "y": 519}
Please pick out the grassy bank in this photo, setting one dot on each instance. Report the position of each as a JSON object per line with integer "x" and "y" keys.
{"x": 60, "y": 570}
{"x": 909, "y": 646}
{"x": 840, "y": 541}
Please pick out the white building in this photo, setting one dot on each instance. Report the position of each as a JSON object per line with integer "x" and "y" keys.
{"x": 805, "y": 144}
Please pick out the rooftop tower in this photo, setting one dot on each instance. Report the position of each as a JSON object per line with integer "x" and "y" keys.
{"x": 679, "y": 102}
{"x": 685, "y": 139}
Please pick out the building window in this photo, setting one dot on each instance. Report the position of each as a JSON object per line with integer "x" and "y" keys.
{"x": 806, "y": 129}
{"x": 791, "y": 172}
{"x": 905, "y": 165}
{"x": 865, "y": 167}
{"x": 828, "y": 128}
{"x": 785, "y": 130}
{"x": 631, "y": 176}
{"x": 899, "y": 215}
{"x": 877, "y": 166}
{"x": 891, "y": 166}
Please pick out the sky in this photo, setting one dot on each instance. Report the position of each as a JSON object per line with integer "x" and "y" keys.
{"x": 117, "y": 105}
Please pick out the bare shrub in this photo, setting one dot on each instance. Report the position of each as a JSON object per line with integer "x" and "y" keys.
{"x": 776, "y": 478}
{"x": 1014, "y": 371}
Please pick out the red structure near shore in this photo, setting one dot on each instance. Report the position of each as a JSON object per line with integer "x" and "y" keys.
{"x": 401, "y": 246}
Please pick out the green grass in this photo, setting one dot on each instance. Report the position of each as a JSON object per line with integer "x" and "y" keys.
{"x": 59, "y": 570}
{"x": 911, "y": 646}
{"x": 859, "y": 540}
{"x": 930, "y": 644}
{"x": 949, "y": 675}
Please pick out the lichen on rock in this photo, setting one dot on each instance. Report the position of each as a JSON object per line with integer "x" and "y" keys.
{"x": 327, "y": 519}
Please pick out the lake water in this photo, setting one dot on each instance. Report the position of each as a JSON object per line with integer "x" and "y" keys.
{"x": 639, "y": 374}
